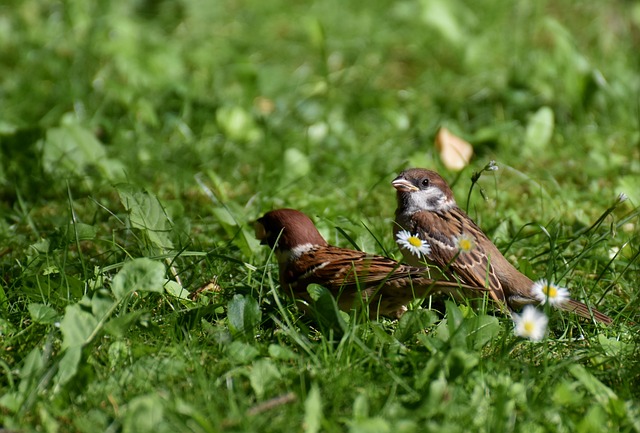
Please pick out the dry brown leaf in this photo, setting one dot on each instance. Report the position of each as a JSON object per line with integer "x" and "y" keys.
{"x": 455, "y": 153}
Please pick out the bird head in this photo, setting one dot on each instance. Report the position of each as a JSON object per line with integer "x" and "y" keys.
{"x": 419, "y": 189}
{"x": 287, "y": 230}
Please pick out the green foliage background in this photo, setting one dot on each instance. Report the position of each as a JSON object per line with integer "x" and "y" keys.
{"x": 139, "y": 139}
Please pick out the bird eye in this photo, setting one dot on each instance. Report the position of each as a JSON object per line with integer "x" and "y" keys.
{"x": 425, "y": 182}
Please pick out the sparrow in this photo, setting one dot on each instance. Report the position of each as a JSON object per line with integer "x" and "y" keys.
{"x": 304, "y": 257}
{"x": 459, "y": 247}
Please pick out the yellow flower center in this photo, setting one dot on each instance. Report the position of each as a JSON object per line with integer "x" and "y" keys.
{"x": 550, "y": 291}
{"x": 465, "y": 244}
{"x": 415, "y": 241}
{"x": 528, "y": 326}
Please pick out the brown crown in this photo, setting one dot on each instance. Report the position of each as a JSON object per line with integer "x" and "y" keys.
{"x": 288, "y": 228}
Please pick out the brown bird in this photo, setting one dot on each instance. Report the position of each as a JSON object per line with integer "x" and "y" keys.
{"x": 353, "y": 277}
{"x": 427, "y": 208}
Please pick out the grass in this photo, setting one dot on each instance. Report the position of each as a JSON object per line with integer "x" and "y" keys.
{"x": 138, "y": 141}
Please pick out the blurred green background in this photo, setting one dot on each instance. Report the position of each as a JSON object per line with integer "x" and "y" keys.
{"x": 163, "y": 128}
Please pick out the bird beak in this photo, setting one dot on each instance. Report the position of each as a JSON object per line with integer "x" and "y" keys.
{"x": 403, "y": 185}
{"x": 261, "y": 233}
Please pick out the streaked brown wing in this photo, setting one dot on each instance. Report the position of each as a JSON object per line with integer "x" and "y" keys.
{"x": 336, "y": 268}
{"x": 350, "y": 274}
{"x": 474, "y": 267}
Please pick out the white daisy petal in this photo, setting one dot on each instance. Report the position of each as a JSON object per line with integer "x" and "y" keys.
{"x": 413, "y": 243}
{"x": 545, "y": 291}
{"x": 531, "y": 323}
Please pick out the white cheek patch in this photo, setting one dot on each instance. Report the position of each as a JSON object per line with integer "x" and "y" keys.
{"x": 431, "y": 199}
{"x": 299, "y": 250}
{"x": 294, "y": 253}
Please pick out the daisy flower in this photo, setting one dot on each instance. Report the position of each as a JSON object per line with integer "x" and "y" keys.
{"x": 413, "y": 243}
{"x": 547, "y": 291}
{"x": 464, "y": 242}
{"x": 531, "y": 323}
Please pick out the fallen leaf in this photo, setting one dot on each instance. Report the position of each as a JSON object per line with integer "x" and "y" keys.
{"x": 455, "y": 153}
